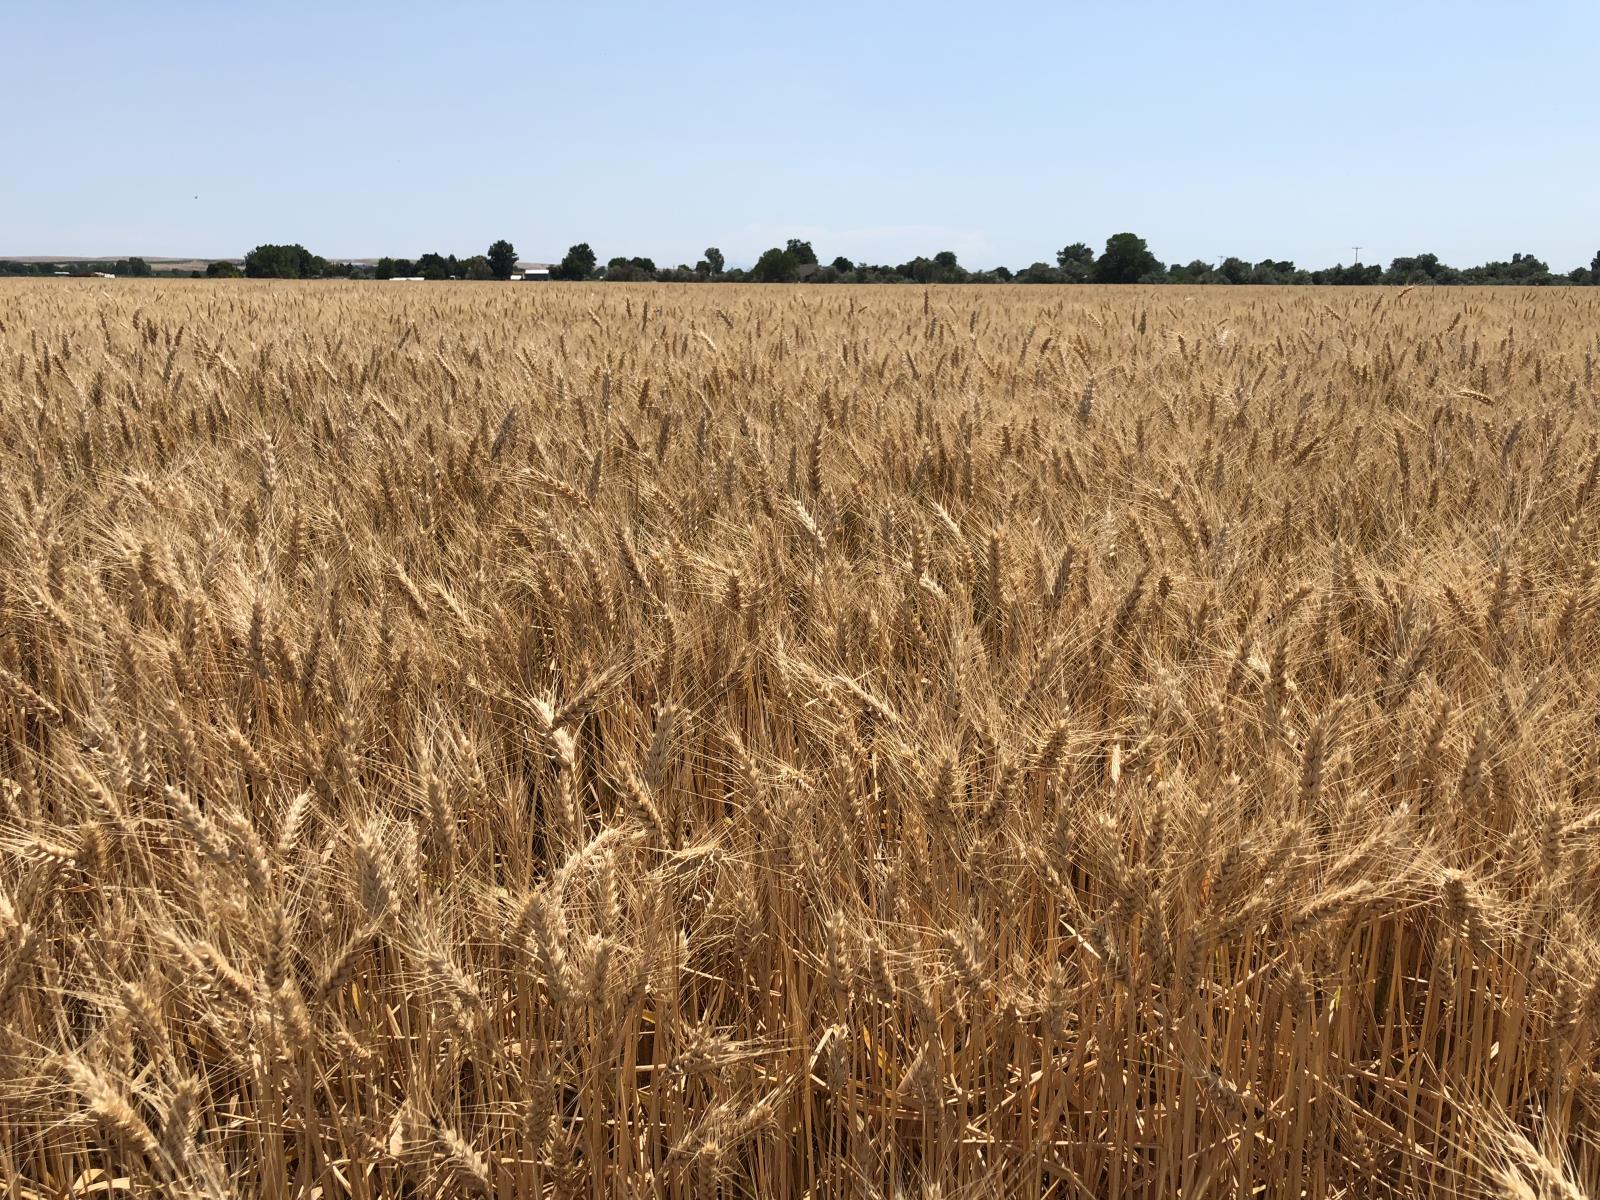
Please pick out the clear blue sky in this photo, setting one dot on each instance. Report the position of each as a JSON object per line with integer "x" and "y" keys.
{"x": 1001, "y": 130}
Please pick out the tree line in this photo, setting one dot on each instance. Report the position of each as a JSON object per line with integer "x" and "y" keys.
{"x": 1126, "y": 258}
{"x": 135, "y": 267}
{"x": 296, "y": 262}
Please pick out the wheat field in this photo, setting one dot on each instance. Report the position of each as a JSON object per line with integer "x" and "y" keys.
{"x": 608, "y": 741}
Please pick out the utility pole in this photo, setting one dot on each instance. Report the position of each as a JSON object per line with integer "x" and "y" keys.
{"x": 1358, "y": 255}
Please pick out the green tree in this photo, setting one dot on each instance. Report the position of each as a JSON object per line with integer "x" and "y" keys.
{"x": 802, "y": 253}
{"x": 477, "y": 267}
{"x": 775, "y": 266}
{"x": 1076, "y": 262}
{"x": 1234, "y": 270}
{"x": 385, "y": 268}
{"x": 283, "y": 262}
{"x": 630, "y": 270}
{"x": 222, "y": 270}
{"x": 1127, "y": 259}
{"x": 1355, "y": 275}
{"x": 1197, "y": 271}
{"x": 1420, "y": 269}
{"x": 1269, "y": 271}
{"x": 943, "y": 269}
{"x": 1040, "y": 272}
{"x": 434, "y": 266}
{"x": 714, "y": 260}
{"x": 1522, "y": 269}
{"x": 843, "y": 265}
{"x": 577, "y": 265}
{"x": 139, "y": 268}
{"x": 502, "y": 258}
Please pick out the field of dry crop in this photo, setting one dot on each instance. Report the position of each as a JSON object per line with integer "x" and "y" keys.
{"x": 728, "y": 742}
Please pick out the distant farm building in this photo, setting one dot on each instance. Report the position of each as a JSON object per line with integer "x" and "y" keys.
{"x": 531, "y": 273}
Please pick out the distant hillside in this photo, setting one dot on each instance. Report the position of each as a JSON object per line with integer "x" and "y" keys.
{"x": 154, "y": 260}
{"x": 161, "y": 263}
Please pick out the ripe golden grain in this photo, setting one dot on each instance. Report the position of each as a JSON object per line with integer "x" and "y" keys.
{"x": 495, "y": 741}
